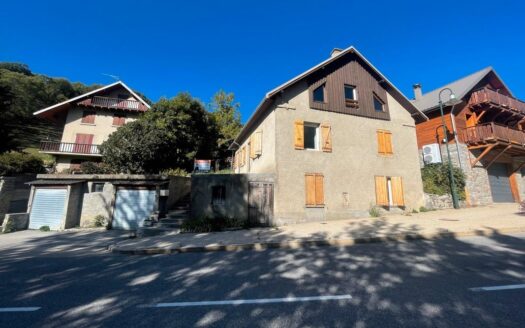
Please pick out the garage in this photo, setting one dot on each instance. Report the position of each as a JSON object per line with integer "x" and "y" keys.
{"x": 48, "y": 208}
{"x": 500, "y": 183}
{"x": 133, "y": 206}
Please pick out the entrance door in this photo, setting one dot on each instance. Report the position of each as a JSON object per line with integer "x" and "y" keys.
{"x": 132, "y": 207}
{"x": 500, "y": 183}
{"x": 260, "y": 203}
{"x": 47, "y": 208}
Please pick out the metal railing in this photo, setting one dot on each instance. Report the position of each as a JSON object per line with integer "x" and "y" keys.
{"x": 493, "y": 132}
{"x": 67, "y": 147}
{"x": 107, "y": 102}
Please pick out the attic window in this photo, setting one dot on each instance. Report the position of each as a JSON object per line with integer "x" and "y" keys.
{"x": 351, "y": 96}
{"x": 319, "y": 93}
{"x": 379, "y": 106}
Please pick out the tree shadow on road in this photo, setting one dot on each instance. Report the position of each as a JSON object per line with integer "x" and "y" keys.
{"x": 398, "y": 284}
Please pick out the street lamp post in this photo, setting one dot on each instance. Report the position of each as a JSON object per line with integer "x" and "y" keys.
{"x": 452, "y": 99}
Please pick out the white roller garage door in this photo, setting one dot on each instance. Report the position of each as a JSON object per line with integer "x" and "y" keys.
{"x": 132, "y": 207}
{"x": 47, "y": 208}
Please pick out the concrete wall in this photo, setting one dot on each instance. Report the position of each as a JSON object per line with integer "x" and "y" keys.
{"x": 73, "y": 205}
{"x": 15, "y": 222}
{"x": 350, "y": 169}
{"x": 179, "y": 188}
{"x": 97, "y": 203}
{"x": 236, "y": 201}
{"x": 14, "y": 194}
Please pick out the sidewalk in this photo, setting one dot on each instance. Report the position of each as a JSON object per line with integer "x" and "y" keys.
{"x": 500, "y": 218}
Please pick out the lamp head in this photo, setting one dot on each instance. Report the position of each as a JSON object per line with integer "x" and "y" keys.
{"x": 453, "y": 100}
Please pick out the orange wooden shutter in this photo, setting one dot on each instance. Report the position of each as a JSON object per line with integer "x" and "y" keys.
{"x": 319, "y": 189}
{"x": 380, "y": 142}
{"x": 243, "y": 155}
{"x": 326, "y": 134}
{"x": 381, "y": 191}
{"x": 397, "y": 191}
{"x": 88, "y": 117}
{"x": 387, "y": 138}
{"x": 251, "y": 145}
{"x": 299, "y": 134}
{"x": 258, "y": 143}
{"x": 310, "y": 189}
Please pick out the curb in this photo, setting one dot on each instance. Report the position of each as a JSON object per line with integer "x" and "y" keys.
{"x": 297, "y": 244}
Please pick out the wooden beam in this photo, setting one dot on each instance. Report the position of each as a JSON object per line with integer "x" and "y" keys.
{"x": 478, "y": 117}
{"x": 497, "y": 156}
{"x": 519, "y": 167}
{"x": 485, "y": 152}
{"x": 478, "y": 146}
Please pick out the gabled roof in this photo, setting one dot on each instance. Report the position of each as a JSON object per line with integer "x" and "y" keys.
{"x": 267, "y": 100}
{"x": 461, "y": 88}
{"x": 109, "y": 86}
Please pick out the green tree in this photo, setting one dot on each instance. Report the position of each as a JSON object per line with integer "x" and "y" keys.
{"x": 170, "y": 135}
{"x": 227, "y": 119}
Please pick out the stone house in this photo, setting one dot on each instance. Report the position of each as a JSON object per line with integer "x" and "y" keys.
{"x": 88, "y": 120}
{"x": 338, "y": 139}
{"x": 484, "y": 133}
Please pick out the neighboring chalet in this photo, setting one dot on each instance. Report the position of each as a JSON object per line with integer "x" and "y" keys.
{"x": 485, "y": 135}
{"x": 87, "y": 121}
{"x": 339, "y": 139}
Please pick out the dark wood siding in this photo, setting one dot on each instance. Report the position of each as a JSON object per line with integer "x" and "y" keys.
{"x": 349, "y": 72}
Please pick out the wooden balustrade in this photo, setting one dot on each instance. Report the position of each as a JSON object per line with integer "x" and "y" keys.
{"x": 67, "y": 147}
{"x": 488, "y": 96}
{"x": 493, "y": 132}
{"x": 107, "y": 102}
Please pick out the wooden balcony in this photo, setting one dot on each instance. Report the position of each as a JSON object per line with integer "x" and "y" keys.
{"x": 52, "y": 147}
{"x": 117, "y": 103}
{"x": 491, "y": 133}
{"x": 491, "y": 98}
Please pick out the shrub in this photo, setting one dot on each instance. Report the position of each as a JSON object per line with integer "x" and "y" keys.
{"x": 178, "y": 172}
{"x": 206, "y": 224}
{"x": 415, "y": 211}
{"x": 423, "y": 209}
{"x": 17, "y": 163}
{"x": 44, "y": 228}
{"x": 436, "y": 180}
{"x": 374, "y": 211}
{"x": 94, "y": 168}
{"x": 9, "y": 227}
{"x": 100, "y": 221}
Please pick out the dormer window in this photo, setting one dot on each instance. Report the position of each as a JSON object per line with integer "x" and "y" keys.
{"x": 351, "y": 96}
{"x": 379, "y": 105}
{"x": 319, "y": 93}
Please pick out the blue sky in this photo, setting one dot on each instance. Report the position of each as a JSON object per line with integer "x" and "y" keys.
{"x": 249, "y": 47}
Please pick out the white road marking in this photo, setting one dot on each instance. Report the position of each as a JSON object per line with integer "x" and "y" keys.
{"x": 20, "y": 309}
{"x": 492, "y": 288}
{"x": 289, "y": 299}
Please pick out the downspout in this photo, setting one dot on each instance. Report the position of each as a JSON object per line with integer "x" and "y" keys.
{"x": 453, "y": 119}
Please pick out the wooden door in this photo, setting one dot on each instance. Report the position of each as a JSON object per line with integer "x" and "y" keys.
{"x": 260, "y": 203}
{"x": 83, "y": 143}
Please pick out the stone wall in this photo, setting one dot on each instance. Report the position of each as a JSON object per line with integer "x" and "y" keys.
{"x": 14, "y": 194}
{"x": 97, "y": 203}
{"x": 15, "y": 222}
{"x": 440, "y": 202}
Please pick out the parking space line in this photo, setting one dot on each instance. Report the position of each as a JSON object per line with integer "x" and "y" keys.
{"x": 289, "y": 299}
{"x": 493, "y": 288}
{"x": 20, "y": 309}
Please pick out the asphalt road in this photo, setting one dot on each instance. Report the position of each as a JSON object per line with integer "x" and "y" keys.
{"x": 415, "y": 284}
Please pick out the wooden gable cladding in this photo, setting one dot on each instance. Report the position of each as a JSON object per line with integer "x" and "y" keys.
{"x": 353, "y": 73}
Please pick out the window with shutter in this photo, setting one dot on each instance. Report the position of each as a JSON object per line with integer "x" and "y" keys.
{"x": 88, "y": 117}
{"x": 119, "y": 119}
{"x": 397, "y": 191}
{"x": 258, "y": 143}
{"x": 384, "y": 142}
{"x": 389, "y": 191}
{"x": 381, "y": 191}
{"x": 314, "y": 189}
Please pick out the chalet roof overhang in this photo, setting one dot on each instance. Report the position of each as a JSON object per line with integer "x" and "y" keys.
{"x": 267, "y": 101}
{"x": 54, "y": 109}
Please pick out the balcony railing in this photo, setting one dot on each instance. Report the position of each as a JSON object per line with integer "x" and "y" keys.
{"x": 67, "y": 147}
{"x": 491, "y": 97}
{"x": 493, "y": 132}
{"x": 107, "y": 102}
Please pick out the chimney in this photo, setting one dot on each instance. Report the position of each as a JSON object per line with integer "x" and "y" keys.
{"x": 335, "y": 52}
{"x": 418, "y": 92}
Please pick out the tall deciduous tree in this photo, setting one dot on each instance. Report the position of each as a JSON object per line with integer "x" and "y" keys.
{"x": 227, "y": 118}
{"x": 170, "y": 135}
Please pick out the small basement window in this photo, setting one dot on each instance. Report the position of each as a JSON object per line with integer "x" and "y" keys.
{"x": 97, "y": 187}
{"x": 319, "y": 94}
{"x": 218, "y": 195}
{"x": 311, "y": 136}
{"x": 350, "y": 96}
{"x": 379, "y": 106}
